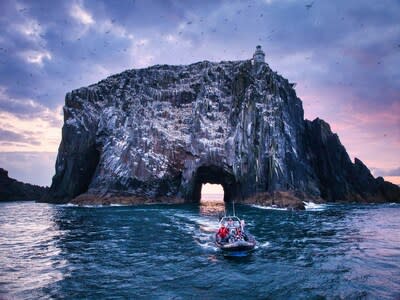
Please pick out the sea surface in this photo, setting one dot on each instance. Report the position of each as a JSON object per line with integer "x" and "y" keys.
{"x": 166, "y": 252}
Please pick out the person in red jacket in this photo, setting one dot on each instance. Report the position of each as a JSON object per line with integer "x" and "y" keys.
{"x": 223, "y": 232}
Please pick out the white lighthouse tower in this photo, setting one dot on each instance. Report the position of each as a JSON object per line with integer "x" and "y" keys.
{"x": 259, "y": 55}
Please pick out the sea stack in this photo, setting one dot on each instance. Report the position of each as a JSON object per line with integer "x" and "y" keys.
{"x": 157, "y": 134}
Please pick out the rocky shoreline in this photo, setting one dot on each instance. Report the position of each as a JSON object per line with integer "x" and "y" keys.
{"x": 93, "y": 199}
{"x": 279, "y": 199}
{"x": 290, "y": 200}
{"x": 14, "y": 190}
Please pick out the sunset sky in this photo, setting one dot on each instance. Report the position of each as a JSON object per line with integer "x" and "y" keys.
{"x": 344, "y": 56}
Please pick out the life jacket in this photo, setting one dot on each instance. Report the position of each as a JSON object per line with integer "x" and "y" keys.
{"x": 222, "y": 232}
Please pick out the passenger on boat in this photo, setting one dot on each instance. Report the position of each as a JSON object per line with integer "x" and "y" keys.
{"x": 223, "y": 232}
{"x": 238, "y": 234}
{"x": 242, "y": 224}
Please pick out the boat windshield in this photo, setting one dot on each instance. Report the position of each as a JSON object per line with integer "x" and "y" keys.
{"x": 230, "y": 221}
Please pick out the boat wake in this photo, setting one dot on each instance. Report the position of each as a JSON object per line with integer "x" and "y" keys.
{"x": 263, "y": 245}
{"x": 199, "y": 227}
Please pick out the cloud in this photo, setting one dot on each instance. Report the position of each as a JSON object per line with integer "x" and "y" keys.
{"x": 386, "y": 172}
{"x": 30, "y": 167}
{"x": 27, "y": 125}
{"x": 33, "y": 37}
{"x": 25, "y": 107}
{"x": 80, "y": 14}
{"x": 32, "y": 134}
{"x": 31, "y": 29}
{"x": 17, "y": 138}
{"x": 36, "y": 57}
{"x": 7, "y": 135}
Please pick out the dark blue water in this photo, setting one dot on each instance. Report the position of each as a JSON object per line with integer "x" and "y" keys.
{"x": 165, "y": 252}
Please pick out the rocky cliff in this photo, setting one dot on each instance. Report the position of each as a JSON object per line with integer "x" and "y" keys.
{"x": 11, "y": 189}
{"x": 159, "y": 133}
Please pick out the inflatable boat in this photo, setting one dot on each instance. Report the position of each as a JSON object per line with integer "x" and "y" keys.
{"x": 232, "y": 238}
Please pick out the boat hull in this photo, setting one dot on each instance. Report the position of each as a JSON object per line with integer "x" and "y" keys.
{"x": 237, "y": 248}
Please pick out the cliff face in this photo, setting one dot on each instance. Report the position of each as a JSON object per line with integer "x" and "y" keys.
{"x": 163, "y": 131}
{"x": 338, "y": 177}
{"x": 11, "y": 189}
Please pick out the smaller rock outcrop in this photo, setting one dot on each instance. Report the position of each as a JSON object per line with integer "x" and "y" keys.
{"x": 11, "y": 189}
{"x": 338, "y": 178}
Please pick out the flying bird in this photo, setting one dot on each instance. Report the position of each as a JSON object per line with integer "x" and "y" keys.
{"x": 309, "y": 6}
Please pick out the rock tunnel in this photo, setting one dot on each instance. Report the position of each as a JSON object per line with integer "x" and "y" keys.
{"x": 214, "y": 175}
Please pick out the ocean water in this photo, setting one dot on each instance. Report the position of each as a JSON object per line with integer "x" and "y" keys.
{"x": 166, "y": 252}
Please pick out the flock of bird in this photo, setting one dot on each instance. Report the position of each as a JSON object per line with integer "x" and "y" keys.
{"x": 92, "y": 52}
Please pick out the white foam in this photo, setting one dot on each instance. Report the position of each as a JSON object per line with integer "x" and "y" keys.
{"x": 311, "y": 206}
{"x": 68, "y": 205}
{"x": 268, "y": 207}
{"x": 265, "y": 245}
{"x": 208, "y": 246}
{"x": 201, "y": 228}
{"x": 78, "y": 205}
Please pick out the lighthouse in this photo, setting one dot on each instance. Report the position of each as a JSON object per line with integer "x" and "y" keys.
{"x": 259, "y": 55}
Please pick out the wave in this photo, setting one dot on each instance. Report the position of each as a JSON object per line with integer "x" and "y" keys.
{"x": 92, "y": 205}
{"x": 201, "y": 228}
{"x": 208, "y": 246}
{"x": 264, "y": 245}
{"x": 268, "y": 207}
{"x": 86, "y": 206}
{"x": 311, "y": 206}
{"x": 67, "y": 205}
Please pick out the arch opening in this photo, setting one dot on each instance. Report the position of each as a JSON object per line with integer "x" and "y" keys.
{"x": 212, "y": 193}
{"x": 214, "y": 175}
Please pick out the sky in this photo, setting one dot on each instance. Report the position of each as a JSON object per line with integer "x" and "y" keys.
{"x": 344, "y": 56}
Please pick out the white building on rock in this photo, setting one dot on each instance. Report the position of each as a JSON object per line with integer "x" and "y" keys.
{"x": 259, "y": 55}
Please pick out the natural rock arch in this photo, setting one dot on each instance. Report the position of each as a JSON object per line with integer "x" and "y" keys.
{"x": 215, "y": 175}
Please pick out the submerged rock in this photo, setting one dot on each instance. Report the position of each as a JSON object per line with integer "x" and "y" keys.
{"x": 11, "y": 189}
{"x": 281, "y": 199}
{"x": 163, "y": 131}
